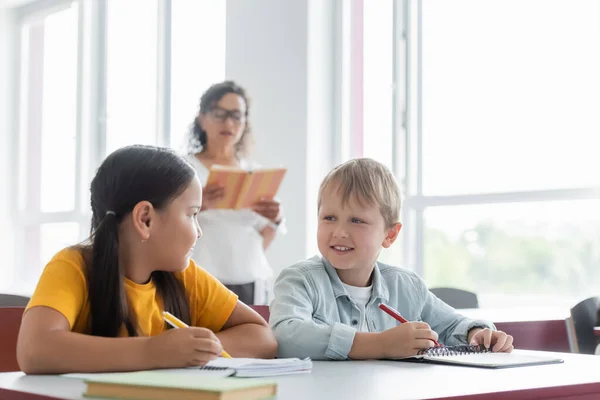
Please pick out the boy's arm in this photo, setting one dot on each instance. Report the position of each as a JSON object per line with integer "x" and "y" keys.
{"x": 296, "y": 331}
{"x": 451, "y": 327}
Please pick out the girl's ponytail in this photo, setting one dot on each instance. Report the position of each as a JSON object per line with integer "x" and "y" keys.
{"x": 105, "y": 281}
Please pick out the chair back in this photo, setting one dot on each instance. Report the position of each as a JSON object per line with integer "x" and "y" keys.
{"x": 10, "y": 323}
{"x": 13, "y": 300}
{"x": 262, "y": 310}
{"x": 456, "y": 298}
{"x": 584, "y": 317}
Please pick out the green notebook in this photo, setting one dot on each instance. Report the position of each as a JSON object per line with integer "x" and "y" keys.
{"x": 155, "y": 385}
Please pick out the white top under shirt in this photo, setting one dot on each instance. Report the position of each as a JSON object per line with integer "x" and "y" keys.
{"x": 361, "y": 296}
{"x": 231, "y": 247}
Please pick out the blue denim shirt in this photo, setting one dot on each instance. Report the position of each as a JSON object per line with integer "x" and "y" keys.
{"x": 314, "y": 316}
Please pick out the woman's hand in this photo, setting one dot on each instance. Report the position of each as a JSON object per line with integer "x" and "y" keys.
{"x": 211, "y": 194}
{"x": 268, "y": 208}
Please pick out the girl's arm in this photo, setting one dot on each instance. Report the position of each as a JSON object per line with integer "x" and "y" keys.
{"x": 247, "y": 334}
{"x": 47, "y": 345}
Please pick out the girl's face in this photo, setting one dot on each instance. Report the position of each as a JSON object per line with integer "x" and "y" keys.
{"x": 224, "y": 124}
{"x": 176, "y": 230}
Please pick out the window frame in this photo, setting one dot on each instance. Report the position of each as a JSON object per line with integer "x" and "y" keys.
{"x": 27, "y": 185}
{"x": 407, "y": 135}
{"x": 91, "y": 119}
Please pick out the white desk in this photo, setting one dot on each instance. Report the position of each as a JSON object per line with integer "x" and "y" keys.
{"x": 577, "y": 378}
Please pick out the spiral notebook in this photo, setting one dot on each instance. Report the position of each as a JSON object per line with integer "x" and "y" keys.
{"x": 255, "y": 367}
{"x": 478, "y": 356}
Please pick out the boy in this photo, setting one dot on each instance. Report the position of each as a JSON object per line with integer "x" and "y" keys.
{"x": 327, "y": 307}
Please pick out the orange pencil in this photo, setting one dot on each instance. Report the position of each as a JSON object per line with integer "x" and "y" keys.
{"x": 177, "y": 323}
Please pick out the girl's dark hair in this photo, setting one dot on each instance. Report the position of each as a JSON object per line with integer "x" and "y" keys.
{"x": 210, "y": 98}
{"x": 126, "y": 177}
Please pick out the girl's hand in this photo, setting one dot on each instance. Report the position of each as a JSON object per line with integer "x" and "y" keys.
{"x": 268, "y": 208}
{"x": 185, "y": 347}
{"x": 211, "y": 194}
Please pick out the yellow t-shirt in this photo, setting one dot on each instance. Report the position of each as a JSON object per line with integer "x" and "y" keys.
{"x": 63, "y": 287}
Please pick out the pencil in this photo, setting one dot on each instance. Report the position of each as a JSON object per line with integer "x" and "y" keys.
{"x": 177, "y": 323}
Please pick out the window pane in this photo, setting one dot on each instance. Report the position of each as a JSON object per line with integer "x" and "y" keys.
{"x": 43, "y": 241}
{"x": 194, "y": 66}
{"x": 511, "y": 97}
{"x": 522, "y": 252}
{"x": 132, "y": 27}
{"x": 378, "y": 79}
{"x": 49, "y": 69}
{"x": 55, "y": 237}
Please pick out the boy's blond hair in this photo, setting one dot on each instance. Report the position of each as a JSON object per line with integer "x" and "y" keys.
{"x": 370, "y": 182}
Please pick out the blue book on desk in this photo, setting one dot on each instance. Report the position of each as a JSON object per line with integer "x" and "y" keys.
{"x": 479, "y": 357}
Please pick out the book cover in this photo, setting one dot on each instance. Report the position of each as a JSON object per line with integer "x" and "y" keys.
{"x": 245, "y": 188}
{"x": 155, "y": 385}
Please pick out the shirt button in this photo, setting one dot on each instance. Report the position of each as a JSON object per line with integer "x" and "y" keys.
{"x": 354, "y": 322}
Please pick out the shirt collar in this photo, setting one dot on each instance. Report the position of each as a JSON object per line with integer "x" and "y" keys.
{"x": 380, "y": 290}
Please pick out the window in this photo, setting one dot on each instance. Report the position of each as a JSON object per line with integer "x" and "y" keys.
{"x": 131, "y": 73}
{"x": 91, "y": 80}
{"x": 367, "y": 90}
{"x": 492, "y": 134}
{"x": 507, "y": 107}
{"x": 378, "y": 80}
{"x": 198, "y": 60}
{"x": 48, "y": 205}
{"x": 508, "y": 250}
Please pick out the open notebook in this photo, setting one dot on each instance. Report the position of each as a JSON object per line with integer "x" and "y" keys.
{"x": 222, "y": 367}
{"x": 480, "y": 357}
{"x": 254, "y": 367}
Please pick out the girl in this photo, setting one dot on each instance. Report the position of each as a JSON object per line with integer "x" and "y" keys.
{"x": 98, "y": 307}
{"x": 234, "y": 250}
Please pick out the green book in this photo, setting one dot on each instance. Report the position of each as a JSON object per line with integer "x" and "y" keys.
{"x": 155, "y": 385}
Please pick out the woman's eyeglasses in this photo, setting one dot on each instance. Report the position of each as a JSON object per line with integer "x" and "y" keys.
{"x": 221, "y": 115}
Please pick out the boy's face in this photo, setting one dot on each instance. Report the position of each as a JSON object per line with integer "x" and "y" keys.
{"x": 351, "y": 237}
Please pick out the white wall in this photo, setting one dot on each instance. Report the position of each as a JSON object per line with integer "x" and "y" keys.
{"x": 275, "y": 50}
{"x": 7, "y": 26}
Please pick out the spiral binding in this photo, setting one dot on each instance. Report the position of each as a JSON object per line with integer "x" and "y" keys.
{"x": 454, "y": 350}
{"x": 211, "y": 368}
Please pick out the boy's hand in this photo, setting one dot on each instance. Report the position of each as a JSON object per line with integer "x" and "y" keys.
{"x": 407, "y": 339}
{"x": 502, "y": 342}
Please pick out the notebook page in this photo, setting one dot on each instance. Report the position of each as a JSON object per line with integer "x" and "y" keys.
{"x": 209, "y": 373}
{"x": 252, "y": 367}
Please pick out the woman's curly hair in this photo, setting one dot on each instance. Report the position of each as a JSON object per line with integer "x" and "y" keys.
{"x": 197, "y": 136}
